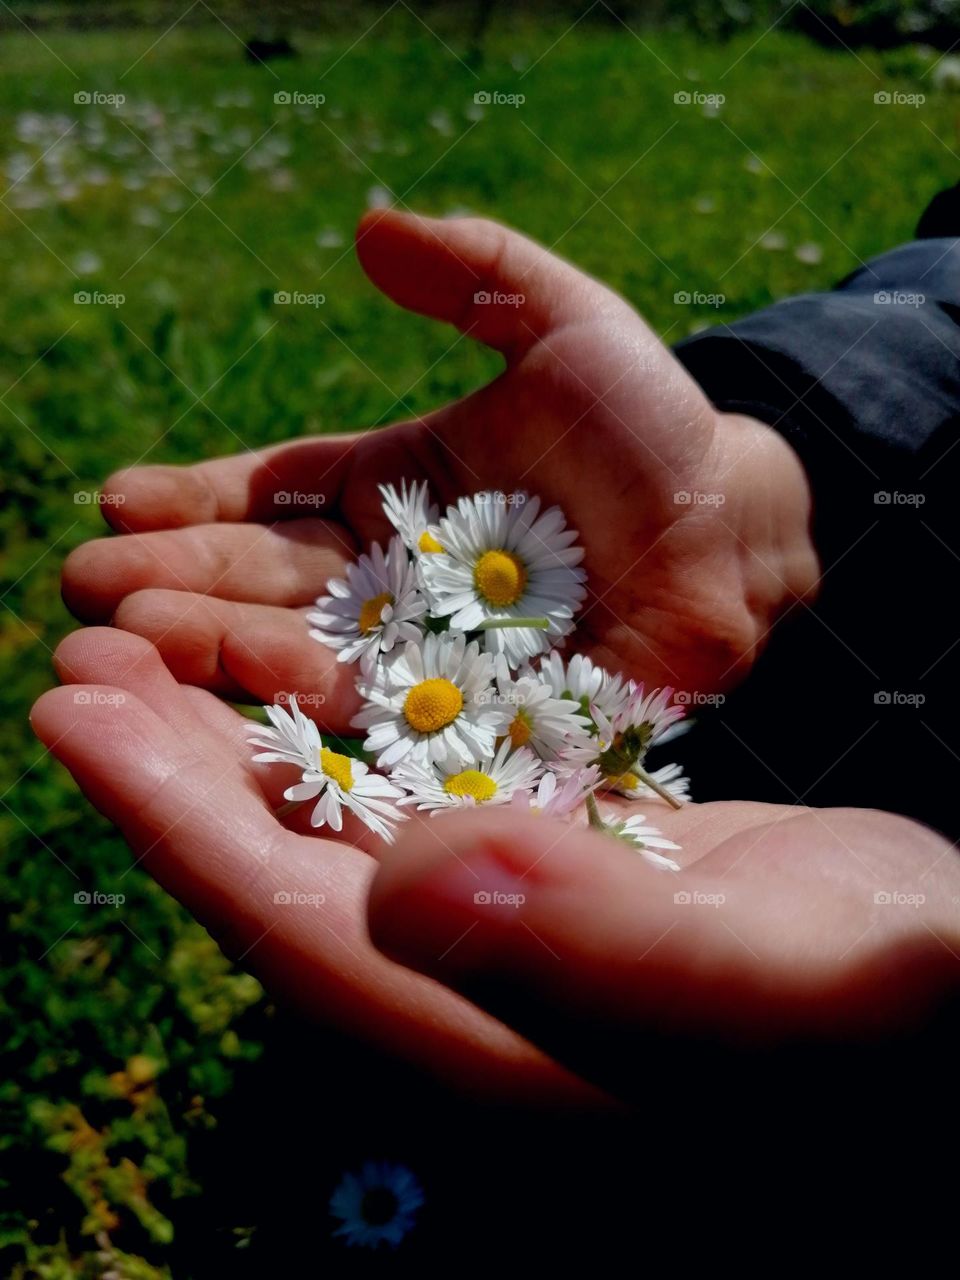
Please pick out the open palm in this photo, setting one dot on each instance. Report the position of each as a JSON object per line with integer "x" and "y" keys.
{"x": 694, "y": 522}
{"x": 783, "y": 922}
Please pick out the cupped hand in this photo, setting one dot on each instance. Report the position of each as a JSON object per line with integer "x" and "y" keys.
{"x": 170, "y": 765}
{"x": 534, "y": 944}
{"x": 695, "y": 523}
{"x": 785, "y": 928}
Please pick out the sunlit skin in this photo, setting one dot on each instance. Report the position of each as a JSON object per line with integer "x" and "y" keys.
{"x": 593, "y": 413}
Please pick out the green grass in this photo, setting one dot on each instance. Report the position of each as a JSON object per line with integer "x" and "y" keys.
{"x": 199, "y": 361}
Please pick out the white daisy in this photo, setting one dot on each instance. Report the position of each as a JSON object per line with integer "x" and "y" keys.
{"x": 378, "y": 605}
{"x": 431, "y": 702}
{"x": 539, "y": 720}
{"x": 293, "y": 739}
{"x": 646, "y": 839}
{"x": 497, "y": 781}
{"x": 584, "y": 682}
{"x": 411, "y": 513}
{"x": 670, "y": 778}
{"x": 628, "y": 722}
{"x": 556, "y": 798}
{"x": 502, "y": 561}
{"x": 337, "y": 781}
{"x": 639, "y": 723}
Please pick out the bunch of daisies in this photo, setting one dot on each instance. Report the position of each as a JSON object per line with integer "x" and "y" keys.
{"x": 457, "y": 630}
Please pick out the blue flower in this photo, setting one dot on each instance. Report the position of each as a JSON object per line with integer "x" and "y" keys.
{"x": 378, "y": 1204}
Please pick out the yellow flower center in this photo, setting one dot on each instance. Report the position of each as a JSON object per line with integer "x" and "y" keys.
{"x": 337, "y": 767}
{"x": 520, "y": 730}
{"x": 432, "y": 705}
{"x": 371, "y": 609}
{"x": 428, "y": 543}
{"x": 471, "y": 782}
{"x": 499, "y": 577}
{"x": 626, "y": 780}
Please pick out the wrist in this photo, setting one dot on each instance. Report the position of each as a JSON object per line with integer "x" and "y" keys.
{"x": 768, "y": 509}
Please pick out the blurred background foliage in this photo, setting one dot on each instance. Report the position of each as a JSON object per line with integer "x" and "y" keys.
{"x": 128, "y": 1038}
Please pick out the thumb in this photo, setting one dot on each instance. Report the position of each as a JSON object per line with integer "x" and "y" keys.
{"x": 560, "y": 932}
{"x": 577, "y": 943}
{"x": 488, "y": 281}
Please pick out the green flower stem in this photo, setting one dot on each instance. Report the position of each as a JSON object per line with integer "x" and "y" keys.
{"x": 287, "y": 808}
{"x": 593, "y": 813}
{"x": 652, "y": 783}
{"x": 489, "y": 624}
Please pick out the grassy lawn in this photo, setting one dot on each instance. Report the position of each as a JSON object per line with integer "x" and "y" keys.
{"x": 198, "y": 199}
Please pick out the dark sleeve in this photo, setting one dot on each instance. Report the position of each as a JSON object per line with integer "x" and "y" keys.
{"x": 854, "y": 701}
{"x": 864, "y": 381}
